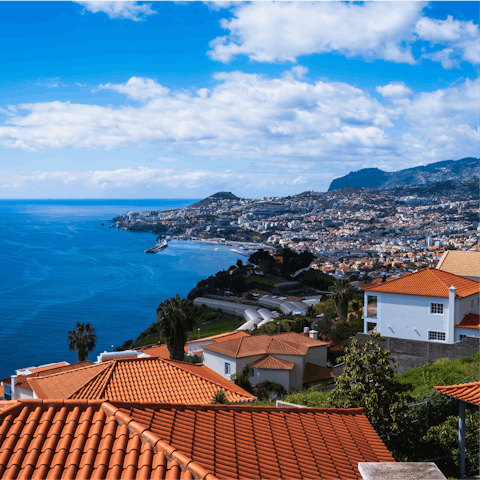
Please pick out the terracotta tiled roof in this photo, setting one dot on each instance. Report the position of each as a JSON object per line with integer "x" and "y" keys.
{"x": 316, "y": 373}
{"x": 272, "y": 363}
{"x": 160, "y": 351}
{"x": 22, "y": 380}
{"x": 282, "y": 344}
{"x": 470, "y": 392}
{"x": 460, "y": 263}
{"x": 429, "y": 282}
{"x": 48, "y": 367}
{"x": 6, "y": 403}
{"x": 143, "y": 380}
{"x": 64, "y": 384}
{"x": 96, "y": 439}
{"x": 472, "y": 320}
{"x": 222, "y": 337}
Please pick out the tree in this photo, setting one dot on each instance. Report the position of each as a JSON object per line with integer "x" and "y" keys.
{"x": 369, "y": 381}
{"x": 267, "y": 390}
{"x": 175, "y": 319}
{"x": 342, "y": 294}
{"x": 83, "y": 340}
{"x": 243, "y": 379}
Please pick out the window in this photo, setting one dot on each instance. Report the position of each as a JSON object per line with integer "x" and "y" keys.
{"x": 251, "y": 373}
{"x": 227, "y": 368}
{"x": 436, "y": 308}
{"x": 7, "y": 395}
{"x": 436, "y": 336}
{"x": 371, "y": 306}
{"x": 462, "y": 336}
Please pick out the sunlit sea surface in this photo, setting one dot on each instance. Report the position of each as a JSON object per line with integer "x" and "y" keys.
{"x": 59, "y": 265}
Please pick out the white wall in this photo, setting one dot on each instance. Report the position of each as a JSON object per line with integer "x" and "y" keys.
{"x": 216, "y": 362}
{"x": 317, "y": 355}
{"x": 466, "y": 331}
{"x": 464, "y": 306}
{"x": 405, "y": 312}
{"x": 196, "y": 346}
{"x": 280, "y": 376}
{"x": 23, "y": 393}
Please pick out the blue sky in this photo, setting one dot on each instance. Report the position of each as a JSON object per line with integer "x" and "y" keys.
{"x": 180, "y": 100}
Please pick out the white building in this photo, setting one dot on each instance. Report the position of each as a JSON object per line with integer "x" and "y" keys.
{"x": 428, "y": 305}
{"x": 281, "y": 358}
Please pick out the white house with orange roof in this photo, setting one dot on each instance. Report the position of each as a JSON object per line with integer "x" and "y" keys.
{"x": 291, "y": 359}
{"x": 430, "y": 305}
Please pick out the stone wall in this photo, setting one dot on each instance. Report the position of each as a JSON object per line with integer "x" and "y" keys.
{"x": 410, "y": 353}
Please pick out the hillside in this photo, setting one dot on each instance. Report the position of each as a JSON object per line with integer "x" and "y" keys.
{"x": 215, "y": 198}
{"x": 448, "y": 170}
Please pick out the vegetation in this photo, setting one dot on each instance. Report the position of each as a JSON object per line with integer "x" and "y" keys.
{"x": 83, "y": 340}
{"x": 220, "y": 398}
{"x": 175, "y": 318}
{"x": 267, "y": 390}
{"x": 193, "y": 358}
{"x": 370, "y": 381}
{"x": 442, "y": 372}
{"x": 342, "y": 293}
{"x": 243, "y": 379}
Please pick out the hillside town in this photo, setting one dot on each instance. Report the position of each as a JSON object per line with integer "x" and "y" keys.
{"x": 360, "y": 234}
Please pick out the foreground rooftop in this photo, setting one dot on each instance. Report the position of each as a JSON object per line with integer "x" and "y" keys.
{"x": 104, "y": 439}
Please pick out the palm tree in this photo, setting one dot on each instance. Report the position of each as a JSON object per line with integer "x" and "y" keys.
{"x": 176, "y": 318}
{"x": 342, "y": 294}
{"x": 83, "y": 340}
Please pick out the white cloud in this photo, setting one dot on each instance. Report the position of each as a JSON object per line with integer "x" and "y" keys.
{"x": 394, "y": 89}
{"x": 166, "y": 159}
{"x": 143, "y": 177}
{"x": 269, "y": 32}
{"x": 129, "y": 10}
{"x": 284, "y": 31}
{"x": 246, "y": 116}
{"x": 461, "y": 39}
{"x": 136, "y": 88}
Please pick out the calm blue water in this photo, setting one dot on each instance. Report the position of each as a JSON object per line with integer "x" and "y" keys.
{"x": 60, "y": 266}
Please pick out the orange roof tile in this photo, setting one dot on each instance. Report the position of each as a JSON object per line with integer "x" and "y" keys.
{"x": 472, "y": 320}
{"x": 159, "y": 350}
{"x": 96, "y": 439}
{"x": 470, "y": 392}
{"x": 316, "y": 373}
{"x": 142, "y": 380}
{"x": 22, "y": 380}
{"x": 48, "y": 367}
{"x": 6, "y": 403}
{"x": 64, "y": 384}
{"x": 271, "y": 363}
{"x": 222, "y": 337}
{"x": 429, "y": 282}
{"x": 290, "y": 343}
{"x": 460, "y": 263}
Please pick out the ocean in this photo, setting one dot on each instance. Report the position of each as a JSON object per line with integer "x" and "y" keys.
{"x": 59, "y": 265}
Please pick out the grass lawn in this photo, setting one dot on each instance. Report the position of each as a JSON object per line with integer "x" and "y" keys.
{"x": 441, "y": 372}
{"x": 222, "y": 325}
{"x": 262, "y": 280}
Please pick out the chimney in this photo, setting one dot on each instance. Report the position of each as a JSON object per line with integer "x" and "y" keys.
{"x": 12, "y": 386}
{"x": 305, "y": 331}
{"x": 313, "y": 334}
{"x": 452, "y": 293}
